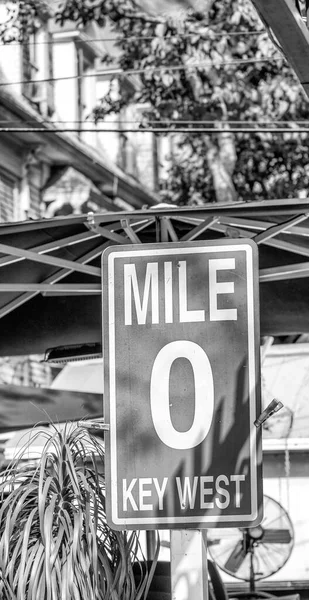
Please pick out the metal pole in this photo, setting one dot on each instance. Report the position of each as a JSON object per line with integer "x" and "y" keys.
{"x": 150, "y": 544}
{"x": 189, "y": 575}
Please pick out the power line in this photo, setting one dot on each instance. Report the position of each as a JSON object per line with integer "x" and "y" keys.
{"x": 215, "y": 130}
{"x": 160, "y": 122}
{"x": 126, "y": 72}
{"x": 139, "y": 38}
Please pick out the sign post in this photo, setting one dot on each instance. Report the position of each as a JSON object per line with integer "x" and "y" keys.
{"x": 181, "y": 385}
{"x": 189, "y": 575}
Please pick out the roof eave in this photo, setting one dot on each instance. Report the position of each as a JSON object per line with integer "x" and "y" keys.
{"x": 81, "y": 156}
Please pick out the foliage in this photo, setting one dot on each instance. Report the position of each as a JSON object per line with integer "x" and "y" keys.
{"x": 241, "y": 76}
{"x": 54, "y": 540}
{"x": 261, "y": 87}
{"x": 21, "y": 19}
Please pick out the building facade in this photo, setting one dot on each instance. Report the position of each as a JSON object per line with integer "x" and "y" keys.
{"x": 54, "y": 160}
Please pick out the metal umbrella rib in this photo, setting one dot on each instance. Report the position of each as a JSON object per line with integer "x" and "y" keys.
{"x": 49, "y": 260}
{"x": 51, "y": 252}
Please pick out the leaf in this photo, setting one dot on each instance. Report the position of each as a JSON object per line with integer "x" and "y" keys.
{"x": 54, "y": 540}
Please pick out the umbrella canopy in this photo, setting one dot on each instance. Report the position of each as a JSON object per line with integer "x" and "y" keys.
{"x": 50, "y": 275}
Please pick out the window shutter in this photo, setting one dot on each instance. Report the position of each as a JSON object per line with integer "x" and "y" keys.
{"x": 35, "y": 200}
{"x": 50, "y": 85}
{"x": 7, "y": 199}
{"x": 26, "y": 69}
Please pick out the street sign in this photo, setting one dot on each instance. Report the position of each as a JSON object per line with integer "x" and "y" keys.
{"x": 181, "y": 385}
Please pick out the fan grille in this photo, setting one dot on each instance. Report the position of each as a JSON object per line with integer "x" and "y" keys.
{"x": 256, "y": 552}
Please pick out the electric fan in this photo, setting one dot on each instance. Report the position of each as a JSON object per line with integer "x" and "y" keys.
{"x": 256, "y": 552}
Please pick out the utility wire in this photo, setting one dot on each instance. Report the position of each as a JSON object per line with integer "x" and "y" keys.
{"x": 159, "y": 122}
{"x": 126, "y": 72}
{"x": 139, "y": 38}
{"x": 209, "y": 130}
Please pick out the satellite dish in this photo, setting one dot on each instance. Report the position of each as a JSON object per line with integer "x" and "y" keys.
{"x": 257, "y": 552}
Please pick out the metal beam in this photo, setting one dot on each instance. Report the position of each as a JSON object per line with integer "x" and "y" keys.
{"x": 261, "y": 225}
{"x": 171, "y": 230}
{"x": 49, "y": 260}
{"x": 65, "y": 288}
{"x": 234, "y": 232}
{"x": 189, "y": 220}
{"x": 109, "y": 231}
{"x": 141, "y": 225}
{"x": 194, "y": 233}
{"x": 126, "y": 226}
{"x": 109, "y": 235}
{"x": 41, "y": 224}
{"x": 270, "y": 232}
{"x": 163, "y": 230}
{"x": 260, "y": 208}
{"x": 67, "y": 292}
{"x": 167, "y": 229}
{"x": 296, "y": 271}
{"x": 23, "y": 298}
{"x": 52, "y": 246}
{"x": 289, "y": 29}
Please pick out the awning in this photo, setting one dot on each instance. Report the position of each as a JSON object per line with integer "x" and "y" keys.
{"x": 23, "y": 406}
{"x": 50, "y": 277}
{"x": 285, "y": 376}
{"x": 85, "y": 377}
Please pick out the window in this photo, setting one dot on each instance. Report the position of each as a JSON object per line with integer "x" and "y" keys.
{"x": 86, "y": 85}
{"x": 29, "y": 66}
{"x": 37, "y": 63}
{"x": 50, "y": 85}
